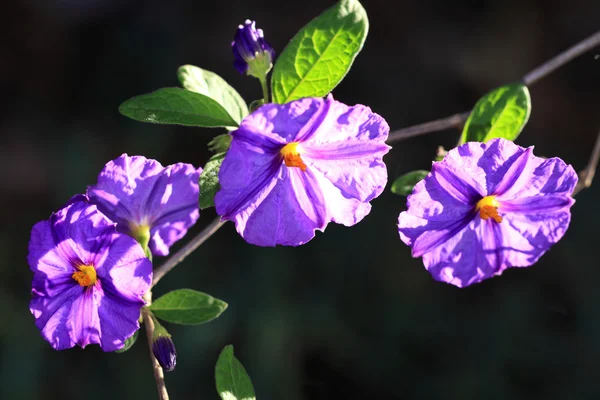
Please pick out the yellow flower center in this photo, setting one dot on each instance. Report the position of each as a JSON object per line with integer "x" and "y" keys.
{"x": 291, "y": 156}
{"x": 86, "y": 276}
{"x": 488, "y": 208}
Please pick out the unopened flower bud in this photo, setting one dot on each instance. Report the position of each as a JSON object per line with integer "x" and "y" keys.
{"x": 164, "y": 351}
{"x": 253, "y": 55}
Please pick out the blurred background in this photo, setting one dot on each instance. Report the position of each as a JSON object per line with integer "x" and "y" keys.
{"x": 349, "y": 315}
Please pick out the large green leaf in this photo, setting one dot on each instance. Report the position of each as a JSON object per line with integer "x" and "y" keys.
{"x": 405, "y": 184}
{"x": 209, "y": 181}
{"x": 187, "y": 307}
{"x": 177, "y": 106}
{"x": 320, "y": 55}
{"x": 502, "y": 113}
{"x": 212, "y": 85}
{"x": 233, "y": 383}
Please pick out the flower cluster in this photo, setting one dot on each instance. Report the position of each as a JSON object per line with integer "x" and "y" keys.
{"x": 89, "y": 264}
{"x": 487, "y": 207}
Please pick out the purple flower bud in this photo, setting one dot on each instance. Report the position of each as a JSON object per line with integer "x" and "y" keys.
{"x": 164, "y": 351}
{"x": 253, "y": 55}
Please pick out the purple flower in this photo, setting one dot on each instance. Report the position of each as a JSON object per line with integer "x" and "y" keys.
{"x": 164, "y": 351}
{"x": 148, "y": 200}
{"x": 253, "y": 55}
{"x": 88, "y": 279}
{"x": 487, "y": 207}
{"x": 294, "y": 167}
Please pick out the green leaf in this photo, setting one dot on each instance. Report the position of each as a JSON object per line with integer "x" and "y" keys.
{"x": 220, "y": 143}
{"x": 502, "y": 113}
{"x": 321, "y": 54}
{"x": 177, "y": 106}
{"x": 405, "y": 184}
{"x": 212, "y": 85}
{"x": 209, "y": 181}
{"x": 187, "y": 307}
{"x": 233, "y": 382}
{"x": 129, "y": 342}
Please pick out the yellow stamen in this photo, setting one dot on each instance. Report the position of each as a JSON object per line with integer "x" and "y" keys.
{"x": 291, "y": 156}
{"x": 488, "y": 208}
{"x": 86, "y": 276}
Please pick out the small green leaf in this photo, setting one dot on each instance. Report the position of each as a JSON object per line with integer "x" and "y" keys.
{"x": 212, "y": 85}
{"x": 256, "y": 104}
{"x": 321, "y": 53}
{"x": 405, "y": 184}
{"x": 177, "y": 106}
{"x": 187, "y": 307}
{"x": 233, "y": 382}
{"x": 501, "y": 113}
{"x": 129, "y": 342}
{"x": 209, "y": 181}
{"x": 220, "y": 143}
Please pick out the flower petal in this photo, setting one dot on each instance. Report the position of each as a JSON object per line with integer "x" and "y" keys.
{"x": 118, "y": 321}
{"x": 124, "y": 270}
{"x": 123, "y": 188}
{"x": 540, "y": 178}
{"x": 277, "y": 217}
{"x": 52, "y": 315}
{"x": 246, "y": 177}
{"x": 433, "y": 201}
{"x": 424, "y": 235}
{"x": 136, "y": 191}
{"x": 278, "y": 124}
{"x": 84, "y": 317}
{"x": 471, "y": 255}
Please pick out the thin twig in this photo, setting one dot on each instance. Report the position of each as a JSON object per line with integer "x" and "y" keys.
{"x": 187, "y": 250}
{"x": 587, "y": 175}
{"x": 453, "y": 121}
{"x": 561, "y": 59}
{"x": 159, "y": 376}
{"x": 456, "y": 120}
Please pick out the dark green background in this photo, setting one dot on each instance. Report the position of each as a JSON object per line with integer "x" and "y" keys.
{"x": 349, "y": 315}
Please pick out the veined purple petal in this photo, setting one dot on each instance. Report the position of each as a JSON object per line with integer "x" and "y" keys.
{"x": 464, "y": 185}
{"x": 424, "y": 235}
{"x": 494, "y": 158}
{"x": 277, "y": 123}
{"x": 84, "y": 317}
{"x": 471, "y": 255}
{"x": 118, "y": 321}
{"x": 135, "y": 191}
{"x": 277, "y": 218}
{"x": 551, "y": 177}
{"x": 539, "y": 205}
{"x": 52, "y": 315}
{"x": 431, "y": 201}
{"x": 246, "y": 176}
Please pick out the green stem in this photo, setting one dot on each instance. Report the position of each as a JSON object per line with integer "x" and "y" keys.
{"x": 158, "y": 371}
{"x": 265, "y": 88}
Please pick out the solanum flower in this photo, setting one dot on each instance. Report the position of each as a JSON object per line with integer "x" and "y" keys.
{"x": 147, "y": 200}
{"x": 294, "y": 167}
{"x": 89, "y": 279}
{"x": 253, "y": 55}
{"x": 487, "y": 207}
